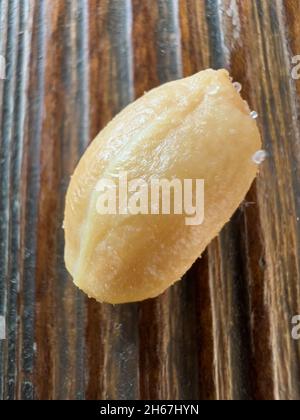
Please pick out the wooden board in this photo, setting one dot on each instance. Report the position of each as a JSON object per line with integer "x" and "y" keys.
{"x": 225, "y": 331}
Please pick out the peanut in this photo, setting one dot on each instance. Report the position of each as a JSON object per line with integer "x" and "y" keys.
{"x": 195, "y": 128}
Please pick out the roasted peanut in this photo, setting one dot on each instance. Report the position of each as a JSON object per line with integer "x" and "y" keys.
{"x": 197, "y": 128}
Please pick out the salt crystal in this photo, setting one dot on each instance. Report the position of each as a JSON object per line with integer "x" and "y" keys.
{"x": 259, "y": 156}
{"x": 237, "y": 86}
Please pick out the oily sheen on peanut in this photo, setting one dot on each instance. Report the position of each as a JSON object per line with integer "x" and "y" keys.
{"x": 195, "y": 128}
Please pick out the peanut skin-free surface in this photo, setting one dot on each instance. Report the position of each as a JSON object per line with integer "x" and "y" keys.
{"x": 224, "y": 331}
{"x": 194, "y": 128}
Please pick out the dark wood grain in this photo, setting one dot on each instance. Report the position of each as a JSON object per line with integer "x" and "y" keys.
{"x": 224, "y": 332}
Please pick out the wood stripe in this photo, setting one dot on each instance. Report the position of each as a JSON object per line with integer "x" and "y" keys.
{"x": 31, "y": 186}
{"x": 10, "y": 285}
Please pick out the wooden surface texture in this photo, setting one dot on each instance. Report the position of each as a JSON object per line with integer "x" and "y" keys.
{"x": 224, "y": 332}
